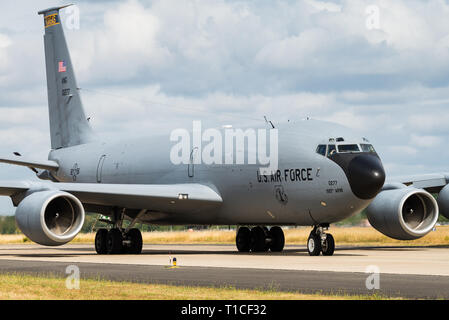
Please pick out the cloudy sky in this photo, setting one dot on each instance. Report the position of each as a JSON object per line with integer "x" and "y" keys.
{"x": 378, "y": 66}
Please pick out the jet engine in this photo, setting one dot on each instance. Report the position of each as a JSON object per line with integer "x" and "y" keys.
{"x": 403, "y": 214}
{"x": 50, "y": 218}
{"x": 443, "y": 201}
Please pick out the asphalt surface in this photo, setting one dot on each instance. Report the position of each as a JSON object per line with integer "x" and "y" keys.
{"x": 146, "y": 268}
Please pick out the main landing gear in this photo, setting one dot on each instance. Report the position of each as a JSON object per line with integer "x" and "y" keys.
{"x": 320, "y": 242}
{"x": 260, "y": 239}
{"x": 118, "y": 241}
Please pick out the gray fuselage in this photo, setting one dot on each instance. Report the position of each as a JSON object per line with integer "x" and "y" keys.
{"x": 307, "y": 189}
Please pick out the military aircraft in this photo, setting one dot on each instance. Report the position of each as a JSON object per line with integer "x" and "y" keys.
{"x": 324, "y": 174}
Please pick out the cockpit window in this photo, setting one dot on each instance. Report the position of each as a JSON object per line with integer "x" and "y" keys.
{"x": 347, "y": 148}
{"x": 367, "y": 148}
{"x": 331, "y": 150}
{"x": 321, "y": 149}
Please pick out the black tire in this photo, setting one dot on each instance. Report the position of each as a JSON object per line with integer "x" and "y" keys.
{"x": 100, "y": 241}
{"x": 277, "y": 239}
{"x": 243, "y": 239}
{"x": 258, "y": 237}
{"x": 114, "y": 242}
{"x": 314, "y": 244}
{"x": 328, "y": 247}
{"x": 135, "y": 236}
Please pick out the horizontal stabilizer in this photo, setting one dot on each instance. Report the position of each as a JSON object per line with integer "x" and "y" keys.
{"x": 30, "y": 163}
{"x": 54, "y": 9}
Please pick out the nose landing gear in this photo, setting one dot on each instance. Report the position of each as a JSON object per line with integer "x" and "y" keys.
{"x": 320, "y": 242}
{"x": 260, "y": 239}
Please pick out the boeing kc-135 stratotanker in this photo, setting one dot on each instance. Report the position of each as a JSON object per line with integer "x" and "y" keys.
{"x": 324, "y": 174}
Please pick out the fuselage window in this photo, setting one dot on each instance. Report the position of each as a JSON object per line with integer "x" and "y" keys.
{"x": 367, "y": 148}
{"x": 321, "y": 149}
{"x": 331, "y": 150}
{"x": 346, "y": 148}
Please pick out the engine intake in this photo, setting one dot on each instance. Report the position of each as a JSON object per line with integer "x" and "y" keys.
{"x": 403, "y": 214}
{"x": 50, "y": 218}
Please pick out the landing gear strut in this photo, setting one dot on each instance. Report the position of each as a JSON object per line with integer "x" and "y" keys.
{"x": 260, "y": 239}
{"x": 320, "y": 242}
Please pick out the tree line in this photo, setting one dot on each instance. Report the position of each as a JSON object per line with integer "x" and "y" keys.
{"x": 8, "y": 224}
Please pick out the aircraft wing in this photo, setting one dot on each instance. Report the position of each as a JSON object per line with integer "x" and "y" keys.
{"x": 433, "y": 183}
{"x": 30, "y": 163}
{"x": 11, "y": 188}
{"x": 164, "y": 198}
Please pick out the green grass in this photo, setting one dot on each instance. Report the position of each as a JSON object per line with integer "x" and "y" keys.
{"x": 49, "y": 287}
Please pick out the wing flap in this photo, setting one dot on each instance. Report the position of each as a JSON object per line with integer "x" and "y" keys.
{"x": 429, "y": 182}
{"x": 176, "y": 198}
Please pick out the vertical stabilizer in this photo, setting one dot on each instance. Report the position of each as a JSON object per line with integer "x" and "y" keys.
{"x": 68, "y": 123}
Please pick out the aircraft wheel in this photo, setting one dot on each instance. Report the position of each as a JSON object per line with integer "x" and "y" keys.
{"x": 135, "y": 237}
{"x": 277, "y": 239}
{"x": 258, "y": 240}
{"x": 100, "y": 241}
{"x": 243, "y": 239}
{"x": 328, "y": 246}
{"x": 114, "y": 242}
{"x": 314, "y": 244}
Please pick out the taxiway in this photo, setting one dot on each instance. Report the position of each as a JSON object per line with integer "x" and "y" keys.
{"x": 410, "y": 272}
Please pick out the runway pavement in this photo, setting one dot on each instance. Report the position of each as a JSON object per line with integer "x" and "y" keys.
{"x": 410, "y": 272}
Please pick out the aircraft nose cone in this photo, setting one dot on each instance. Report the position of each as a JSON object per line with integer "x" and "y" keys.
{"x": 366, "y": 176}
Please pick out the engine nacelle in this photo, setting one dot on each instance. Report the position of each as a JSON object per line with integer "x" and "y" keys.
{"x": 443, "y": 201}
{"x": 50, "y": 218}
{"x": 403, "y": 214}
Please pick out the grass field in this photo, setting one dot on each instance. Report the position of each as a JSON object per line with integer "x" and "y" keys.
{"x": 357, "y": 236}
{"x": 25, "y": 287}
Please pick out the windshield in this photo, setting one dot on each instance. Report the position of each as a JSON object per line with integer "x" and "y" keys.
{"x": 346, "y": 148}
{"x": 321, "y": 149}
{"x": 332, "y": 149}
{"x": 367, "y": 148}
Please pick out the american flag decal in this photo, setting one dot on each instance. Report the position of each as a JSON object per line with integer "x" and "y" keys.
{"x": 62, "y": 66}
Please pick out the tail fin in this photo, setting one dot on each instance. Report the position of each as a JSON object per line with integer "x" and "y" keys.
{"x": 68, "y": 123}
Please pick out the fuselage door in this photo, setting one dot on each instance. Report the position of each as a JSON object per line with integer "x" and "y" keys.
{"x": 191, "y": 168}
{"x": 100, "y": 168}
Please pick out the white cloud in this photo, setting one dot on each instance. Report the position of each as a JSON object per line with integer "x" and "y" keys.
{"x": 324, "y": 5}
{"x": 403, "y": 151}
{"x": 5, "y": 42}
{"x": 426, "y": 141}
{"x": 430, "y": 121}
